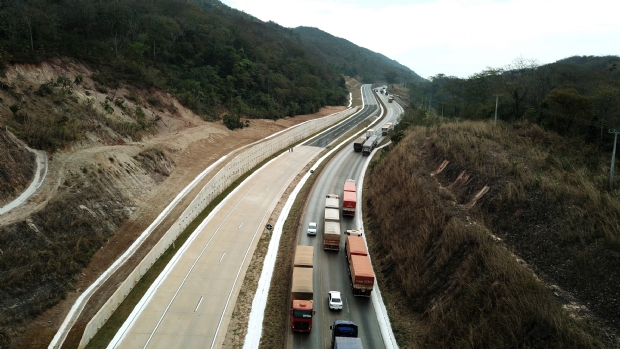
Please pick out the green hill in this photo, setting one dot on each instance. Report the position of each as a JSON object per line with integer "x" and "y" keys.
{"x": 352, "y": 60}
{"x": 212, "y": 58}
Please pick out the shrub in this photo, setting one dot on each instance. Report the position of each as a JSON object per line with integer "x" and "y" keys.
{"x": 153, "y": 100}
{"x": 14, "y": 108}
{"x": 232, "y": 121}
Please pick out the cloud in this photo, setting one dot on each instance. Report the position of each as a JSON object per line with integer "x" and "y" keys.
{"x": 456, "y": 37}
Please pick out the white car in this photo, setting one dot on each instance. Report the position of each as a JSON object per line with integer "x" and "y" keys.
{"x": 312, "y": 228}
{"x": 335, "y": 302}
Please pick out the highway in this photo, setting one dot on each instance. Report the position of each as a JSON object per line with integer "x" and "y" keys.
{"x": 191, "y": 303}
{"x": 331, "y": 271}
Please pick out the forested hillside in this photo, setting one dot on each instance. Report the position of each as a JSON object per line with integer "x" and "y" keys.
{"x": 576, "y": 96}
{"x": 214, "y": 59}
{"x": 352, "y": 60}
{"x": 86, "y": 81}
{"x": 515, "y": 241}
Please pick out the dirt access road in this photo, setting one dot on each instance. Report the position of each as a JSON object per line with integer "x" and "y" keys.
{"x": 192, "y": 150}
{"x": 189, "y": 143}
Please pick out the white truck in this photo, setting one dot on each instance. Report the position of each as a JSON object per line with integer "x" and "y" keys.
{"x": 347, "y": 343}
{"x": 386, "y": 129}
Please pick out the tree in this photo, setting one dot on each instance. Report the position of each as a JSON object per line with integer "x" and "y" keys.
{"x": 390, "y": 77}
{"x": 518, "y": 83}
{"x": 566, "y": 103}
{"x": 162, "y": 31}
{"x": 606, "y": 106}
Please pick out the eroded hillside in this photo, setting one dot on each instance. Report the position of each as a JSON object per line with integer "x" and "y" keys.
{"x": 17, "y": 166}
{"x": 494, "y": 236}
{"x": 119, "y": 158}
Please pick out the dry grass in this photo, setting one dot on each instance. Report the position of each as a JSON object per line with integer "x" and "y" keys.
{"x": 42, "y": 257}
{"x": 53, "y": 118}
{"x": 441, "y": 268}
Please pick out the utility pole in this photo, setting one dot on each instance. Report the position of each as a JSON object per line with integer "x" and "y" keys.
{"x": 496, "y": 98}
{"x": 429, "y": 103}
{"x": 613, "y": 157}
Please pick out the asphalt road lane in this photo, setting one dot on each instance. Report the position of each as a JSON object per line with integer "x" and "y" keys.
{"x": 192, "y": 305}
{"x": 370, "y": 109}
{"x": 331, "y": 268}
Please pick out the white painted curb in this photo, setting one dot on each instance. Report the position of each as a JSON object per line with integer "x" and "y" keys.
{"x": 257, "y": 313}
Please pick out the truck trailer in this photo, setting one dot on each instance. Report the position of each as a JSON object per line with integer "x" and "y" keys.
{"x": 369, "y": 145}
{"x": 357, "y": 145}
{"x": 349, "y": 198}
{"x": 304, "y": 256}
{"x": 347, "y": 343}
{"x": 331, "y": 226}
{"x": 386, "y": 129}
{"x": 301, "y": 290}
{"x": 360, "y": 269}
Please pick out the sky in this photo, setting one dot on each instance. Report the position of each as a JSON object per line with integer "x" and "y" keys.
{"x": 456, "y": 37}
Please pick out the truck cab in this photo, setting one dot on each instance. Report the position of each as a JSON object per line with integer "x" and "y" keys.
{"x": 343, "y": 328}
{"x": 301, "y": 316}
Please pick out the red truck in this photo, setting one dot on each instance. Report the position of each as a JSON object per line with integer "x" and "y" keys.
{"x": 301, "y": 290}
{"x": 360, "y": 268}
{"x": 349, "y": 198}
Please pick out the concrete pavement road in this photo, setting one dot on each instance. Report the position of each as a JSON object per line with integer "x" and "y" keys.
{"x": 192, "y": 305}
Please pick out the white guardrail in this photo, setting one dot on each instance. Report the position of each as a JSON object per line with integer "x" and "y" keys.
{"x": 242, "y": 163}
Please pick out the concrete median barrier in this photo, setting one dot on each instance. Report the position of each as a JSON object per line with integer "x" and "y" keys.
{"x": 234, "y": 169}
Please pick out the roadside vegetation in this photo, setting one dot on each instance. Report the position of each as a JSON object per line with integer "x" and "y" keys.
{"x": 448, "y": 252}
{"x": 52, "y": 117}
{"x": 575, "y": 97}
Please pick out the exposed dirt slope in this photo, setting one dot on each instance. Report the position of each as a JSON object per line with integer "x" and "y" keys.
{"x": 100, "y": 194}
{"x": 17, "y": 166}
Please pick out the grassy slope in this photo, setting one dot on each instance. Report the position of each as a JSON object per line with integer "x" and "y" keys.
{"x": 442, "y": 269}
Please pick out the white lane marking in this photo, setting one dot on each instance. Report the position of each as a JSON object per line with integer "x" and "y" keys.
{"x": 222, "y": 256}
{"x": 252, "y": 337}
{"x": 239, "y": 227}
{"x": 266, "y": 188}
{"x": 194, "y": 264}
{"x": 344, "y": 299}
{"x": 175, "y": 260}
{"x": 197, "y": 305}
{"x": 239, "y": 272}
{"x": 79, "y": 304}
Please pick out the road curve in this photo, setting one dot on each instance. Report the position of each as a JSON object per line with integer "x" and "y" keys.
{"x": 39, "y": 177}
{"x": 331, "y": 272}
